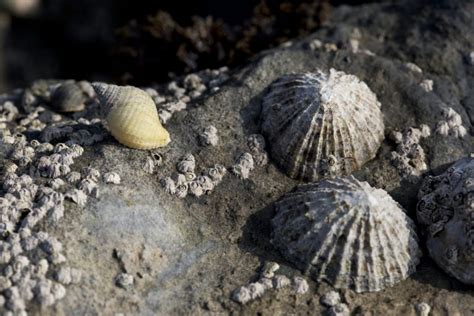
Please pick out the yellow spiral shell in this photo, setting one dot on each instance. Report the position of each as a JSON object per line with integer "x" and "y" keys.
{"x": 132, "y": 116}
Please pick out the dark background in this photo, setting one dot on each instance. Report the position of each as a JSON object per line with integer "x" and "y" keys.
{"x": 118, "y": 40}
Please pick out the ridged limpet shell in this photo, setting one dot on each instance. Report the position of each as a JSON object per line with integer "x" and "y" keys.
{"x": 131, "y": 116}
{"x": 321, "y": 125}
{"x": 347, "y": 233}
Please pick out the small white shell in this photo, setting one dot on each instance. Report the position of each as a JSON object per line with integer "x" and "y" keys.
{"x": 77, "y": 196}
{"x": 169, "y": 185}
{"x": 241, "y": 295}
{"x": 300, "y": 285}
{"x": 321, "y": 125}
{"x": 280, "y": 281}
{"x": 256, "y": 290}
{"x": 209, "y": 137}
{"x": 187, "y": 164}
{"x": 112, "y": 177}
{"x": 347, "y": 233}
{"x": 132, "y": 116}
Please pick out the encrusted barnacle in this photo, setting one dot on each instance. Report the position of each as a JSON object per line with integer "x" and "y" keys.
{"x": 446, "y": 211}
{"x": 451, "y": 125}
{"x": 215, "y": 173}
{"x": 73, "y": 177}
{"x": 209, "y": 137}
{"x": 89, "y": 187}
{"x": 68, "y": 97}
{"x": 8, "y": 111}
{"x": 131, "y": 116}
{"x": 241, "y": 295}
{"x": 195, "y": 188}
{"x": 280, "y": 281}
{"x": 44, "y": 148}
{"x": 179, "y": 178}
{"x": 157, "y": 159}
{"x": 168, "y": 184}
{"x": 243, "y": 166}
{"x": 149, "y": 165}
{"x": 190, "y": 176}
{"x": 300, "y": 285}
{"x": 56, "y": 183}
{"x": 308, "y": 117}
{"x": 92, "y": 174}
{"x": 76, "y": 150}
{"x": 256, "y": 144}
{"x": 10, "y": 167}
{"x": 77, "y": 196}
{"x": 112, "y": 177}
{"x": 186, "y": 164}
{"x": 181, "y": 191}
{"x": 206, "y": 183}
{"x": 347, "y": 233}
{"x": 409, "y": 158}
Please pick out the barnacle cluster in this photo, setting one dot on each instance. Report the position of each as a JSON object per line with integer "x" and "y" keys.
{"x": 176, "y": 95}
{"x": 256, "y": 144}
{"x": 409, "y": 158}
{"x": 37, "y": 176}
{"x": 446, "y": 211}
{"x": 451, "y": 125}
{"x": 257, "y": 156}
{"x": 186, "y": 182}
{"x": 268, "y": 280}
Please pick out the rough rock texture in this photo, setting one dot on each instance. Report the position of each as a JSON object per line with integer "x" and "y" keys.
{"x": 188, "y": 255}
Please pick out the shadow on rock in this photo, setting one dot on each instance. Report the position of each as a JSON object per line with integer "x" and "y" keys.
{"x": 427, "y": 272}
{"x": 256, "y": 236}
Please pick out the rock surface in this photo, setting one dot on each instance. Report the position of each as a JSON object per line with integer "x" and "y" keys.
{"x": 188, "y": 255}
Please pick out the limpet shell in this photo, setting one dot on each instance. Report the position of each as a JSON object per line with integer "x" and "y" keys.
{"x": 321, "y": 125}
{"x": 347, "y": 233}
{"x": 131, "y": 116}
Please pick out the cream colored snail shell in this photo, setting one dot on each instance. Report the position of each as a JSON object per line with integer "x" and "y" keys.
{"x": 132, "y": 116}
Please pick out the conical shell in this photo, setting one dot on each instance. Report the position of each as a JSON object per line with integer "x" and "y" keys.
{"x": 347, "y": 233}
{"x": 132, "y": 116}
{"x": 321, "y": 125}
{"x": 446, "y": 212}
{"x": 68, "y": 97}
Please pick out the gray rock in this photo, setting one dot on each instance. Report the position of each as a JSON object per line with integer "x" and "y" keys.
{"x": 200, "y": 248}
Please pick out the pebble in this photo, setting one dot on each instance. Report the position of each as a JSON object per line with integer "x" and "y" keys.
{"x": 124, "y": 280}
